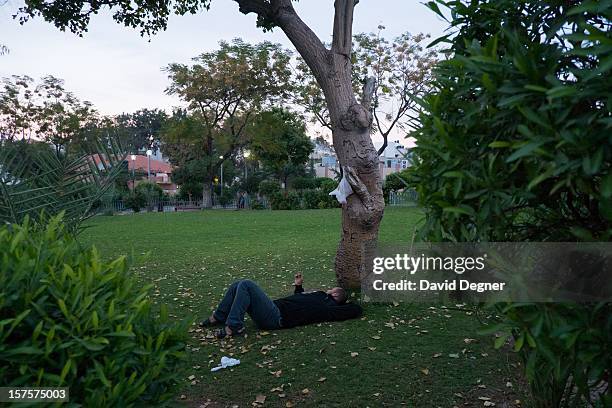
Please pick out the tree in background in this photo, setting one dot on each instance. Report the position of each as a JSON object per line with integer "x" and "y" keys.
{"x": 225, "y": 88}
{"x": 401, "y": 69}
{"x": 45, "y": 110}
{"x": 515, "y": 144}
{"x": 17, "y": 107}
{"x": 141, "y": 129}
{"x": 279, "y": 141}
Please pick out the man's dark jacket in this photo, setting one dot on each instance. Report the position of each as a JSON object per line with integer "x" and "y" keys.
{"x": 313, "y": 307}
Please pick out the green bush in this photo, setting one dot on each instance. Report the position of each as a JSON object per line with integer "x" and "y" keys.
{"x": 395, "y": 182}
{"x": 327, "y": 185}
{"x": 190, "y": 188}
{"x": 290, "y": 201}
{"x": 257, "y": 205}
{"x": 135, "y": 201}
{"x": 226, "y": 197}
{"x": 311, "y": 199}
{"x": 69, "y": 319}
{"x": 269, "y": 187}
{"x": 150, "y": 191}
{"x": 320, "y": 181}
{"x": 515, "y": 145}
{"x": 304, "y": 183}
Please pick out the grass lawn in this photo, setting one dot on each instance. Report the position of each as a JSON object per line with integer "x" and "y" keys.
{"x": 412, "y": 354}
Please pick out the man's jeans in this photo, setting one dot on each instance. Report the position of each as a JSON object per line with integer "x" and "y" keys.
{"x": 244, "y": 296}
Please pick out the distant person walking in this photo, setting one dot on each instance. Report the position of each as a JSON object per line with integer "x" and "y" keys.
{"x": 241, "y": 200}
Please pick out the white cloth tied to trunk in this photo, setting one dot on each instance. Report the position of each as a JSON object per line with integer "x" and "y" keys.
{"x": 343, "y": 190}
{"x": 226, "y": 362}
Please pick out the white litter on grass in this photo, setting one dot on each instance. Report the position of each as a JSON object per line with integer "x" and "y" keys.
{"x": 343, "y": 190}
{"x": 226, "y": 362}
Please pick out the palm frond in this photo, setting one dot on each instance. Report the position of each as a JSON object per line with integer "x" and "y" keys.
{"x": 36, "y": 181}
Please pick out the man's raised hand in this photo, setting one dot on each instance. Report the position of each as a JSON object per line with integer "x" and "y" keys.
{"x": 298, "y": 279}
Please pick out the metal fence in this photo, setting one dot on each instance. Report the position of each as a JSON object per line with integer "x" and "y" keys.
{"x": 406, "y": 198}
{"x": 174, "y": 205}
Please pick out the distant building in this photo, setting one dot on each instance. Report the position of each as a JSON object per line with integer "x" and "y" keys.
{"x": 395, "y": 158}
{"x": 160, "y": 172}
{"x": 324, "y": 161}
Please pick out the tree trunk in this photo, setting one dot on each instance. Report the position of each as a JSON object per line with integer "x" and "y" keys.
{"x": 362, "y": 213}
{"x": 351, "y": 123}
{"x": 206, "y": 195}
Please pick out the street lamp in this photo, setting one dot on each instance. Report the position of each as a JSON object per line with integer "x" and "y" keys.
{"x": 221, "y": 157}
{"x": 133, "y": 157}
{"x": 149, "y": 153}
{"x": 246, "y": 155}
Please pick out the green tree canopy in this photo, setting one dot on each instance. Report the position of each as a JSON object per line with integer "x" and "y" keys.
{"x": 44, "y": 109}
{"x": 279, "y": 140}
{"x": 224, "y": 89}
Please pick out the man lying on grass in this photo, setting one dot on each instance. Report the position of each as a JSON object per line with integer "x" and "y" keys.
{"x": 244, "y": 296}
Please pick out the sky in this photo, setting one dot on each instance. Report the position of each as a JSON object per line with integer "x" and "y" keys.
{"x": 117, "y": 70}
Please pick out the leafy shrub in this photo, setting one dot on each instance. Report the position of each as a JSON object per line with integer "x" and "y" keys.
{"x": 294, "y": 200}
{"x": 514, "y": 145}
{"x": 269, "y": 187}
{"x": 304, "y": 183}
{"x": 69, "y": 319}
{"x": 395, "y": 182}
{"x": 151, "y": 191}
{"x": 325, "y": 200}
{"x": 190, "y": 189}
{"x": 311, "y": 199}
{"x": 226, "y": 197}
{"x": 135, "y": 201}
{"x": 257, "y": 205}
{"x": 327, "y": 185}
{"x": 291, "y": 201}
{"x": 319, "y": 181}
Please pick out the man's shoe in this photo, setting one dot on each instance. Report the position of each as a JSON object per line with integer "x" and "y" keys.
{"x": 236, "y": 332}
{"x": 207, "y": 323}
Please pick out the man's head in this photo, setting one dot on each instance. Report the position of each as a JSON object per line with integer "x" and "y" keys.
{"x": 338, "y": 294}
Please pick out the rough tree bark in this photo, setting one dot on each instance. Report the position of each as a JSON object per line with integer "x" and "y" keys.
{"x": 351, "y": 122}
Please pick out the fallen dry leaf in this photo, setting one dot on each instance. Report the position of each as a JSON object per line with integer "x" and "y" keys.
{"x": 322, "y": 379}
{"x": 305, "y": 391}
{"x": 289, "y": 404}
{"x": 354, "y": 354}
{"x": 260, "y": 399}
{"x": 425, "y": 371}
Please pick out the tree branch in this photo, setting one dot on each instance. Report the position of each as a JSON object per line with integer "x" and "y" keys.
{"x": 359, "y": 188}
{"x": 343, "y": 27}
{"x": 305, "y": 41}
{"x": 368, "y": 92}
{"x": 259, "y": 7}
